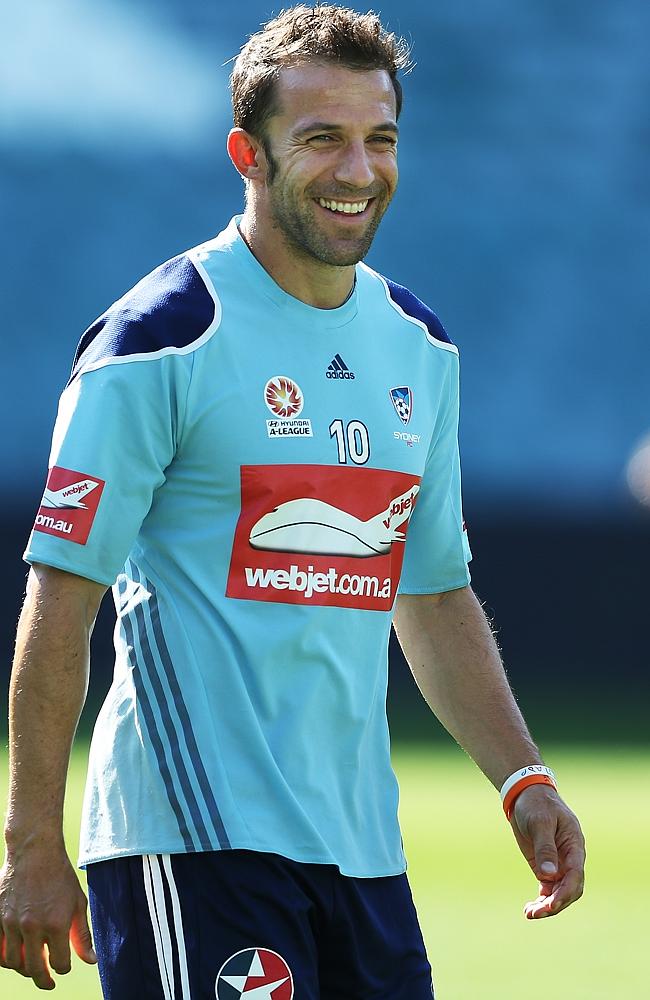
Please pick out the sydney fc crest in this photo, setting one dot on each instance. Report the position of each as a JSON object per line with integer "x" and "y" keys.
{"x": 254, "y": 974}
{"x": 402, "y": 399}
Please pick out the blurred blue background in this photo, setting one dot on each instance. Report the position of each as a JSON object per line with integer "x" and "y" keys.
{"x": 523, "y": 218}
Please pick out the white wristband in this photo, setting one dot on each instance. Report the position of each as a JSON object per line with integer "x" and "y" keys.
{"x": 525, "y": 772}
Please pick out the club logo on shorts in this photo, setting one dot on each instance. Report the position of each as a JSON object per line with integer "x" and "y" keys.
{"x": 285, "y": 400}
{"x": 402, "y": 399}
{"x": 254, "y": 974}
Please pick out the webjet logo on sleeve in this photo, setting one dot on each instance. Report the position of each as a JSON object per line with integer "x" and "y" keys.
{"x": 321, "y": 535}
{"x": 69, "y": 504}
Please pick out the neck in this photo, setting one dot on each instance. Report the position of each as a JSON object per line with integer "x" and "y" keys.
{"x": 324, "y": 286}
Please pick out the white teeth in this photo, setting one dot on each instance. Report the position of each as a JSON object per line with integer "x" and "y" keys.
{"x": 347, "y": 207}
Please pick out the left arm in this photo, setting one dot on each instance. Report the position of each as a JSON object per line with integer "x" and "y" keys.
{"x": 454, "y": 658}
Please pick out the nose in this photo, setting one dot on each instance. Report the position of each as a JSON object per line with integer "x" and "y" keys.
{"x": 353, "y": 166}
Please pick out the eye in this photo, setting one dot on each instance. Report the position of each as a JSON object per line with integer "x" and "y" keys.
{"x": 383, "y": 140}
{"x": 322, "y": 138}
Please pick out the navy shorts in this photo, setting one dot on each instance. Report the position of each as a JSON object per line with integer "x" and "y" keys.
{"x": 242, "y": 925}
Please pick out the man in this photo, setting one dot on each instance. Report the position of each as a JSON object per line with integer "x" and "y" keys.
{"x": 246, "y": 439}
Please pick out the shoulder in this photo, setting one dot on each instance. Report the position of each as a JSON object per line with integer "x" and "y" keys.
{"x": 412, "y": 310}
{"x": 174, "y": 309}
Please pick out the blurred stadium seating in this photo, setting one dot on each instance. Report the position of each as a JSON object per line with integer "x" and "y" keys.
{"x": 523, "y": 218}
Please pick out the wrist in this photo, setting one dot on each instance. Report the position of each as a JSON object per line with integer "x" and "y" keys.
{"x": 536, "y": 792}
{"x": 522, "y": 779}
{"x": 20, "y": 839}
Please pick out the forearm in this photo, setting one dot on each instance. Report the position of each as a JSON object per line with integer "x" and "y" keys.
{"x": 454, "y": 658}
{"x": 47, "y": 691}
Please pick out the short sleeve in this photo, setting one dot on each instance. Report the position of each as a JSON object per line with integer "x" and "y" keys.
{"x": 437, "y": 549}
{"x": 114, "y": 437}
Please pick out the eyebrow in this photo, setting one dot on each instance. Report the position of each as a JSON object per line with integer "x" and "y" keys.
{"x": 331, "y": 127}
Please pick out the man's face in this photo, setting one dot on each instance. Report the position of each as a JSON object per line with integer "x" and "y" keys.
{"x": 333, "y": 142}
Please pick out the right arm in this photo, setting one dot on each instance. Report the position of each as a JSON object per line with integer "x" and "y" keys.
{"x": 41, "y": 901}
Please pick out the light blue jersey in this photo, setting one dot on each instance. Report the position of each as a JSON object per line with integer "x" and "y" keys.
{"x": 254, "y": 477}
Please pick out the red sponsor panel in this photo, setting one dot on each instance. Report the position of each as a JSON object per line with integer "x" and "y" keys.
{"x": 69, "y": 504}
{"x": 321, "y": 535}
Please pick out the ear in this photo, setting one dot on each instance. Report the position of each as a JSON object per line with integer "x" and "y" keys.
{"x": 246, "y": 154}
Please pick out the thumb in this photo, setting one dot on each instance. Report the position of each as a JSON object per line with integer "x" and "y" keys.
{"x": 81, "y": 938}
{"x": 546, "y": 865}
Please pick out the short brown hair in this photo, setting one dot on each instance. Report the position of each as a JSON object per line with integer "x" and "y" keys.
{"x": 323, "y": 33}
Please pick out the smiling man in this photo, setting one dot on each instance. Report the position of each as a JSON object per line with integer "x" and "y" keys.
{"x": 329, "y": 158}
{"x": 257, "y": 449}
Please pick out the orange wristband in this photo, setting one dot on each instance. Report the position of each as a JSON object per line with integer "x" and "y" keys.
{"x": 535, "y": 774}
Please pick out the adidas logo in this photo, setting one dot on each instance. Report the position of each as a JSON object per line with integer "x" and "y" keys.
{"x": 337, "y": 368}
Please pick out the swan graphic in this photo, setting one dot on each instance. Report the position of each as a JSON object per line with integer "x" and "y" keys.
{"x": 315, "y": 527}
{"x": 69, "y": 496}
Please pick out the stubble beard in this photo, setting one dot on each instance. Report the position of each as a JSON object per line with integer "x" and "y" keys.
{"x": 299, "y": 225}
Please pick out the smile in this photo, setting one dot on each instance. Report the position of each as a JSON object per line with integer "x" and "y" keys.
{"x": 344, "y": 207}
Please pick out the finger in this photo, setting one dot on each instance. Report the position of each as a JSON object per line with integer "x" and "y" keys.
{"x": 571, "y": 886}
{"x": 554, "y": 898}
{"x": 568, "y": 890}
{"x": 81, "y": 937}
{"x": 571, "y": 842}
{"x": 573, "y": 857}
{"x": 13, "y": 949}
{"x": 546, "y": 891}
{"x": 546, "y": 863}
{"x": 36, "y": 966}
{"x": 539, "y": 908}
{"x": 58, "y": 947}
{"x": 4, "y": 964}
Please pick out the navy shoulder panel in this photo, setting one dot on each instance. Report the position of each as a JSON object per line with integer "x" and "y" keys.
{"x": 169, "y": 308}
{"x": 413, "y": 306}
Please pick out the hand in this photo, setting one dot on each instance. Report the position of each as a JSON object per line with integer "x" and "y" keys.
{"x": 42, "y": 909}
{"x": 550, "y": 839}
